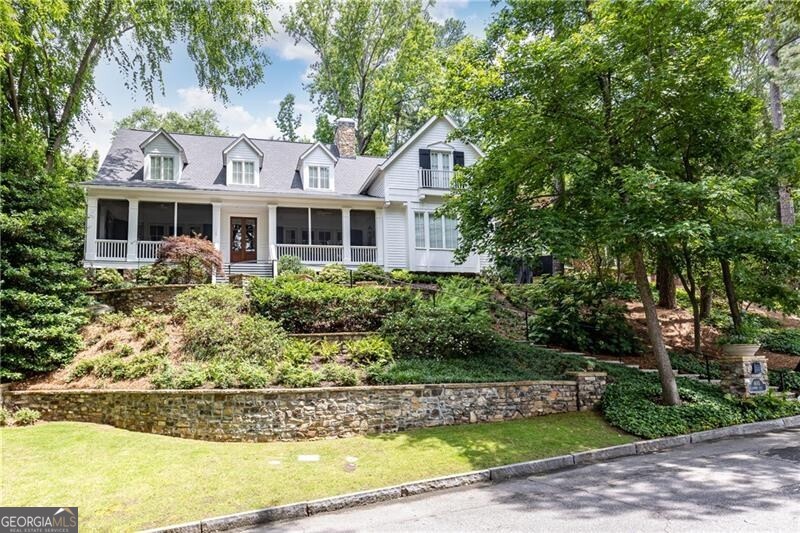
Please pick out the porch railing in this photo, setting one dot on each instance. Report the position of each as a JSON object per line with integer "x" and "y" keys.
{"x": 435, "y": 179}
{"x": 149, "y": 249}
{"x": 364, "y": 254}
{"x": 111, "y": 249}
{"x": 312, "y": 253}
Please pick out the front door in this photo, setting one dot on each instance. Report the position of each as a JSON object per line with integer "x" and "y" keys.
{"x": 243, "y": 239}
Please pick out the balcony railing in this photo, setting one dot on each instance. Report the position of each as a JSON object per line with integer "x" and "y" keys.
{"x": 148, "y": 250}
{"x": 363, "y": 254}
{"x": 312, "y": 253}
{"x": 436, "y": 179}
{"x": 111, "y": 249}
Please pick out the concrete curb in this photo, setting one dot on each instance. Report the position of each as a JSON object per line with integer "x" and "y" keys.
{"x": 494, "y": 475}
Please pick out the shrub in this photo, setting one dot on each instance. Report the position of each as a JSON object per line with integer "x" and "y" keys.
{"x": 307, "y": 307}
{"x": 788, "y": 379}
{"x": 432, "y": 333}
{"x": 370, "y": 272}
{"x": 152, "y": 275}
{"x": 200, "y": 301}
{"x": 327, "y": 351}
{"x": 782, "y": 340}
{"x": 26, "y": 416}
{"x": 193, "y": 258}
{"x": 298, "y": 352}
{"x": 402, "y": 275}
{"x": 112, "y": 320}
{"x": 252, "y": 376}
{"x": 240, "y": 338}
{"x": 164, "y": 379}
{"x": 335, "y": 273}
{"x": 145, "y": 364}
{"x": 5, "y": 417}
{"x": 369, "y": 350}
{"x": 107, "y": 278}
{"x": 109, "y": 366}
{"x": 691, "y": 364}
{"x": 154, "y": 339}
{"x": 578, "y": 314}
{"x": 298, "y": 376}
{"x": 190, "y": 376}
{"x": 465, "y": 296}
{"x": 340, "y": 375}
{"x": 289, "y": 264}
{"x": 82, "y": 368}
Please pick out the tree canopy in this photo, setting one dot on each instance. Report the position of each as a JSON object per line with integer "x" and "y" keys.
{"x": 287, "y": 120}
{"x": 197, "y": 121}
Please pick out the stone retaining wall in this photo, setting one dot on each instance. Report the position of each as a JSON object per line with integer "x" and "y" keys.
{"x": 157, "y": 298}
{"x": 285, "y": 414}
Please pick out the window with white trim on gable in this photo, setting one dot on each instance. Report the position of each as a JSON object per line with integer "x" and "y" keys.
{"x": 319, "y": 177}
{"x": 243, "y": 172}
{"x": 162, "y": 168}
{"x": 441, "y": 161}
{"x": 435, "y": 232}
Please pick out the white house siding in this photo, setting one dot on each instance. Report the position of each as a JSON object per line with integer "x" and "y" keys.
{"x": 377, "y": 188}
{"x": 395, "y": 241}
{"x": 401, "y": 176}
{"x": 434, "y": 260}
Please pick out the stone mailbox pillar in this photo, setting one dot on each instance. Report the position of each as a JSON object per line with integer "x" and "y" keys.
{"x": 744, "y": 375}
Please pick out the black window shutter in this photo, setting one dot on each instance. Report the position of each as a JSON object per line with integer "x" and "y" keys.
{"x": 458, "y": 159}
{"x": 424, "y": 158}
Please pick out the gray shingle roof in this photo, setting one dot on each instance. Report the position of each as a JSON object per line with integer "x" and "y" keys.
{"x": 123, "y": 166}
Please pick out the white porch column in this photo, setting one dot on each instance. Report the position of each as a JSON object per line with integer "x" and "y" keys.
{"x": 347, "y": 257}
{"x": 272, "y": 232}
{"x": 133, "y": 229}
{"x": 91, "y": 228}
{"x": 379, "y": 236}
{"x": 216, "y": 225}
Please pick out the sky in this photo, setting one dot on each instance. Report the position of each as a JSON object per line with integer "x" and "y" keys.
{"x": 252, "y": 112}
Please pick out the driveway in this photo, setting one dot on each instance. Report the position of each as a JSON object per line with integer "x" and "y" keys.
{"x": 741, "y": 484}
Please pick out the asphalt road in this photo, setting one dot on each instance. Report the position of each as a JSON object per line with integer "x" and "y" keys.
{"x": 741, "y": 484}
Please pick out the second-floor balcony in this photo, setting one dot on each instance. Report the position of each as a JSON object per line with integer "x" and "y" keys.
{"x": 430, "y": 178}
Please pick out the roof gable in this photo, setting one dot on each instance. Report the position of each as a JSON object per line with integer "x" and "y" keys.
{"x": 169, "y": 138}
{"x": 314, "y": 147}
{"x": 243, "y": 138}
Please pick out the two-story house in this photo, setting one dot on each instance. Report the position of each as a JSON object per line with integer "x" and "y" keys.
{"x": 258, "y": 200}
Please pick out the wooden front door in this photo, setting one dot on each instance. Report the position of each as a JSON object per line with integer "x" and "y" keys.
{"x": 243, "y": 239}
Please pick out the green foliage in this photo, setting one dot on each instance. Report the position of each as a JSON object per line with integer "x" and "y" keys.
{"x": 785, "y": 340}
{"x": 577, "y": 313}
{"x": 42, "y": 224}
{"x": 197, "y": 121}
{"x": 197, "y": 301}
{"x": 107, "y": 278}
{"x": 112, "y": 320}
{"x": 632, "y": 403}
{"x": 369, "y": 350}
{"x": 189, "y": 259}
{"x": 152, "y": 275}
{"x": 298, "y": 376}
{"x": 327, "y": 351}
{"x": 427, "y": 332}
{"x": 748, "y": 333}
{"x": 242, "y": 338}
{"x": 287, "y": 121}
{"x": 6, "y": 418}
{"x": 289, "y": 264}
{"x": 26, "y": 416}
{"x": 789, "y": 379}
{"x": 82, "y": 368}
{"x": 334, "y": 273}
{"x": 402, "y": 275}
{"x": 190, "y": 376}
{"x": 467, "y": 297}
{"x": 323, "y": 129}
{"x": 509, "y": 361}
{"x": 298, "y": 352}
{"x": 308, "y": 307}
{"x": 690, "y": 364}
{"x": 339, "y": 375}
{"x": 370, "y": 272}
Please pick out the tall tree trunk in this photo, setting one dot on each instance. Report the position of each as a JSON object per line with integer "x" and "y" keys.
{"x": 730, "y": 293}
{"x": 665, "y": 283}
{"x": 786, "y": 213}
{"x": 706, "y": 301}
{"x": 669, "y": 389}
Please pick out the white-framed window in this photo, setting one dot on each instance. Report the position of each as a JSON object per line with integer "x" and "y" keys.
{"x": 162, "y": 168}
{"x": 243, "y": 173}
{"x": 435, "y": 233}
{"x": 441, "y": 161}
{"x": 319, "y": 177}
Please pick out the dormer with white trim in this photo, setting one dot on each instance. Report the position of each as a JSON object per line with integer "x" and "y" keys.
{"x": 317, "y": 168}
{"x": 164, "y": 158}
{"x": 243, "y": 161}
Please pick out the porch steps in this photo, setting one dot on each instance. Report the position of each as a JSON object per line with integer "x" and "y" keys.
{"x": 261, "y": 270}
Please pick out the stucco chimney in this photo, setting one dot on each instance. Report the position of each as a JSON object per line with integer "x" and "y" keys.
{"x": 345, "y": 137}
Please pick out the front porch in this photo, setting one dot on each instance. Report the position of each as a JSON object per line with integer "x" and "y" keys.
{"x": 128, "y": 233}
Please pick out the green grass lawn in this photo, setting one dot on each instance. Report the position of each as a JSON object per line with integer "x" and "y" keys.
{"x": 125, "y": 480}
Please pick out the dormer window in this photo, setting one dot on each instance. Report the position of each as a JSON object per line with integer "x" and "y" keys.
{"x": 319, "y": 177}
{"x": 441, "y": 161}
{"x": 162, "y": 168}
{"x": 243, "y": 173}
